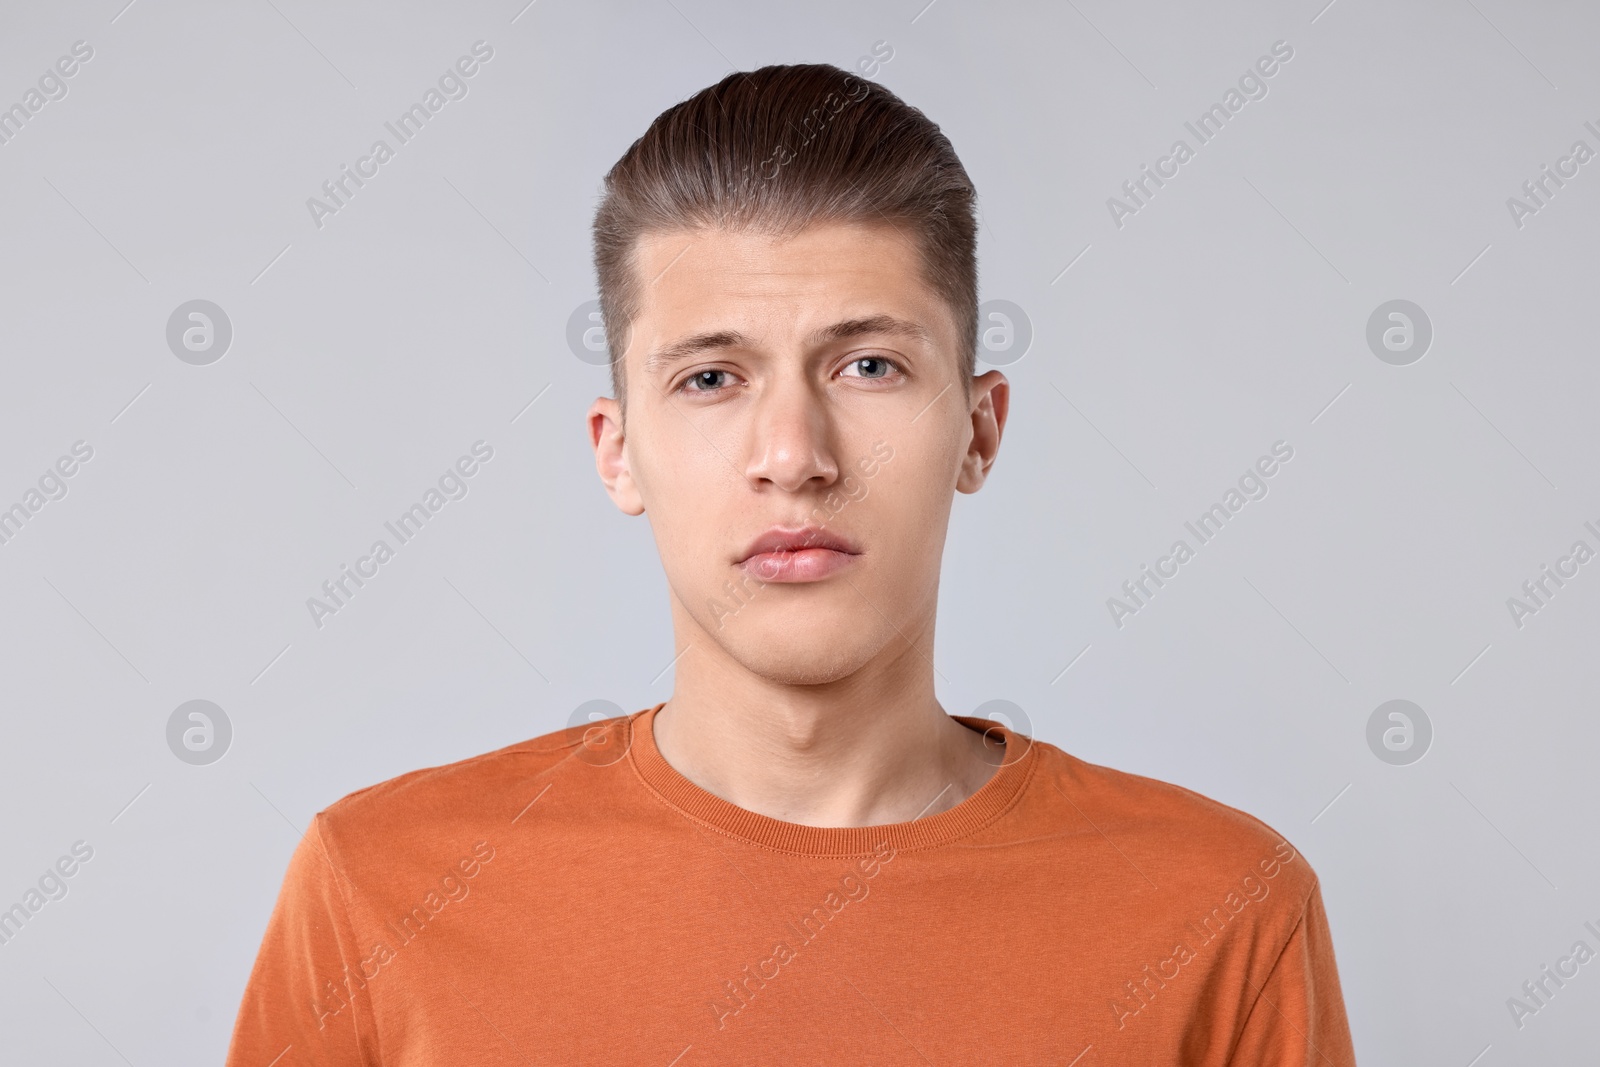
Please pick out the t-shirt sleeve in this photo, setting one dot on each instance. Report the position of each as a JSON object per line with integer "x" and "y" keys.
{"x": 302, "y": 994}
{"x": 1298, "y": 1019}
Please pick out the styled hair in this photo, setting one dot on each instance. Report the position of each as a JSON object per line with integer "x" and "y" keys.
{"x": 773, "y": 150}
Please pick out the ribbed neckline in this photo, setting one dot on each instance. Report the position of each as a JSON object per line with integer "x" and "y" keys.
{"x": 992, "y": 800}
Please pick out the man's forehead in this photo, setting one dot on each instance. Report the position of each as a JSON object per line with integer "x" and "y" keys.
{"x": 862, "y": 272}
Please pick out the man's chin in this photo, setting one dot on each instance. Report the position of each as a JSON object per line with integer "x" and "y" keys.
{"x": 789, "y": 669}
{"x": 791, "y": 658}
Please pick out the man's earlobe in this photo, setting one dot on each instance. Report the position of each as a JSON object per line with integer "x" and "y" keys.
{"x": 611, "y": 457}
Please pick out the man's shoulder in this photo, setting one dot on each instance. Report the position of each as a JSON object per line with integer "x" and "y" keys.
{"x": 1173, "y": 833}
{"x": 467, "y": 795}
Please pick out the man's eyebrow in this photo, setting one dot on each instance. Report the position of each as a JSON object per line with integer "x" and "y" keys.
{"x": 685, "y": 347}
{"x": 884, "y": 324}
{"x": 694, "y": 344}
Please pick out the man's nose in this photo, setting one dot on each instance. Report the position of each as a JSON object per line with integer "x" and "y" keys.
{"x": 791, "y": 437}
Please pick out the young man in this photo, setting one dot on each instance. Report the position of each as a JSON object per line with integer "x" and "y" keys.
{"x": 800, "y": 857}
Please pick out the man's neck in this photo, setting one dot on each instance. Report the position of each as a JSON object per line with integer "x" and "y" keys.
{"x": 868, "y": 750}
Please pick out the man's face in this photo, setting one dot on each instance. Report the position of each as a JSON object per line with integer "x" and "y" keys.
{"x": 818, "y": 392}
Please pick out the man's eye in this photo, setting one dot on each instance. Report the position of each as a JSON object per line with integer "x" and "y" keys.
{"x": 700, "y": 383}
{"x": 876, "y": 363}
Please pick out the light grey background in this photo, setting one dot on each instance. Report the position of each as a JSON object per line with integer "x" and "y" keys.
{"x": 429, "y": 313}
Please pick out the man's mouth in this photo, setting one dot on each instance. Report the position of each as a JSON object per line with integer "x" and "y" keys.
{"x": 804, "y": 554}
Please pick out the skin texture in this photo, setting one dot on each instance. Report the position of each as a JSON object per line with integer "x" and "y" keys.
{"x": 813, "y": 703}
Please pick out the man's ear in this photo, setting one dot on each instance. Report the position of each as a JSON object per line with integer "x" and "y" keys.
{"x": 611, "y": 457}
{"x": 991, "y": 400}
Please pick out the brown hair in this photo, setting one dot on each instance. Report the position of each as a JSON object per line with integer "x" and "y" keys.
{"x": 775, "y": 149}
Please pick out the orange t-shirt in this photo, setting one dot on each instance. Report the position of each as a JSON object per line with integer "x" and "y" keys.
{"x": 571, "y": 900}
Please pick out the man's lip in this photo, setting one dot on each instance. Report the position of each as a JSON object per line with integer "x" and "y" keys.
{"x": 792, "y": 539}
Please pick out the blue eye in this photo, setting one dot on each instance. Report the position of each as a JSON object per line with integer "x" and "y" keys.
{"x": 700, "y": 377}
{"x": 885, "y": 363}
